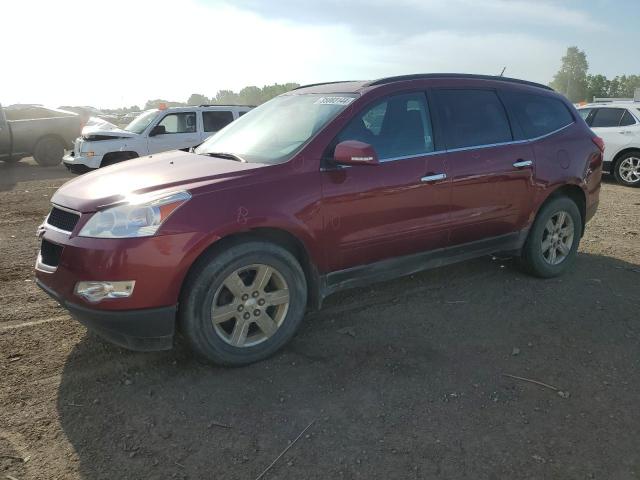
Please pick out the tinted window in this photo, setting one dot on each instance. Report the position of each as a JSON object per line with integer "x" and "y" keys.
{"x": 627, "y": 119}
{"x": 584, "y": 112}
{"x": 473, "y": 118}
{"x": 179, "y": 122}
{"x": 539, "y": 115}
{"x": 214, "y": 121}
{"x": 396, "y": 127}
{"x": 607, "y": 117}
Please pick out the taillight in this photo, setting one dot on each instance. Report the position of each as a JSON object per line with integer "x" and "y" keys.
{"x": 599, "y": 143}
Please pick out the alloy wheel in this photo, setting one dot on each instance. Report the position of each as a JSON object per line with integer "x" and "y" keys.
{"x": 629, "y": 169}
{"x": 250, "y": 305}
{"x": 557, "y": 238}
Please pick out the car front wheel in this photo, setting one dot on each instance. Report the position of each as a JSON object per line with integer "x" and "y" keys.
{"x": 553, "y": 239}
{"x": 243, "y": 304}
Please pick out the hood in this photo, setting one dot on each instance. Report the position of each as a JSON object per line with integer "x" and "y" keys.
{"x": 169, "y": 171}
{"x": 105, "y": 132}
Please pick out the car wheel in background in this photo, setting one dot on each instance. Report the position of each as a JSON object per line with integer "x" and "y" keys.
{"x": 243, "y": 304}
{"x": 553, "y": 240}
{"x": 48, "y": 151}
{"x": 627, "y": 169}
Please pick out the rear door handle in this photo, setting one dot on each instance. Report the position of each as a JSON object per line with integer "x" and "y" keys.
{"x": 523, "y": 163}
{"x": 434, "y": 178}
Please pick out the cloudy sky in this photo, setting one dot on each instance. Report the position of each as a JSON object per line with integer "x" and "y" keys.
{"x": 123, "y": 52}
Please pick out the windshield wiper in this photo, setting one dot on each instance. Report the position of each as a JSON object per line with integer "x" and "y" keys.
{"x": 226, "y": 156}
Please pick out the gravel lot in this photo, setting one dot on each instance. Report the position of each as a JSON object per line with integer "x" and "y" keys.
{"x": 405, "y": 379}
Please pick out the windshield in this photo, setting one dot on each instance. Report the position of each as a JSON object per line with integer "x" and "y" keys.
{"x": 141, "y": 122}
{"x": 274, "y": 131}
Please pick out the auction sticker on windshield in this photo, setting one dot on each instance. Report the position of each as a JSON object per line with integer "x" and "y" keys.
{"x": 334, "y": 101}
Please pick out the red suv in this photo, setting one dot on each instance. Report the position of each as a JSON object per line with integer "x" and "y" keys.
{"x": 327, "y": 187}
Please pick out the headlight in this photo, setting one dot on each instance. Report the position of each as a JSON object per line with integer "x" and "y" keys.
{"x": 140, "y": 217}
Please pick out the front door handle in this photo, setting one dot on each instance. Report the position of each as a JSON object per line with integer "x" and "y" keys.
{"x": 523, "y": 163}
{"x": 434, "y": 177}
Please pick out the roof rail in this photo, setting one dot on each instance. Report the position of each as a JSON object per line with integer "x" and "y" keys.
{"x": 419, "y": 76}
{"x": 322, "y": 83}
{"x": 225, "y": 105}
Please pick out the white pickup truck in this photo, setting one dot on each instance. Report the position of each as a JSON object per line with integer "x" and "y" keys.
{"x": 153, "y": 131}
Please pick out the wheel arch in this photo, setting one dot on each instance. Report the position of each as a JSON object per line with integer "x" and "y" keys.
{"x": 620, "y": 154}
{"x": 118, "y": 155}
{"x": 575, "y": 193}
{"x": 277, "y": 236}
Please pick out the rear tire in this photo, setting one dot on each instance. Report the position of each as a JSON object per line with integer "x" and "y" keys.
{"x": 553, "y": 240}
{"x": 49, "y": 151}
{"x": 232, "y": 307}
{"x": 627, "y": 169}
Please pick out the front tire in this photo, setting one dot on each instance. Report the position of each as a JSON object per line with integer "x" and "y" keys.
{"x": 627, "y": 169}
{"x": 243, "y": 304}
{"x": 48, "y": 152}
{"x": 553, "y": 240}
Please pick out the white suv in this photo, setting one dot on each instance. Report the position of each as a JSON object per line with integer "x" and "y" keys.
{"x": 618, "y": 124}
{"x": 153, "y": 131}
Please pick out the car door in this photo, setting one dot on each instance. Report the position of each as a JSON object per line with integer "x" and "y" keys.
{"x": 177, "y": 130}
{"x": 491, "y": 175}
{"x": 616, "y": 126}
{"x": 398, "y": 207}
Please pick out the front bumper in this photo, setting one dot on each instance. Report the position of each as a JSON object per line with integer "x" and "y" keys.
{"x": 146, "y": 329}
{"x": 80, "y": 164}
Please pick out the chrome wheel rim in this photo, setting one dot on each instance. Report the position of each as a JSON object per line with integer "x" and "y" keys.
{"x": 629, "y": 169}
{"x": 250, "y": 305}
{"x": 557, "y": 238}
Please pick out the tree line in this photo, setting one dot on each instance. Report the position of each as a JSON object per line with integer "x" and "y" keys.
{"x": 251, "y": 95}
{"x": 575, "y": 82}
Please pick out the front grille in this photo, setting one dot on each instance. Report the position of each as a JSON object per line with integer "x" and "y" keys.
{"x": 63, "y": 219}
{"x": 50, "y": 253}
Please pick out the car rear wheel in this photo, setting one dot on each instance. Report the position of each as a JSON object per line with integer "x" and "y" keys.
{"x": 48, "y": 151}
{"x": 242, "y": 305}
{"x": 553, "y": 239}
{"x": 627, "y": 170}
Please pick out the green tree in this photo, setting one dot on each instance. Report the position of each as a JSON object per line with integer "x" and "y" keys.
{"x": 597, "y": 86}
{"x": 250, "y": 96}
{"x": 227, "y": 97}
{"x": 198, "y": 99}
{"x": 571, "y": 79}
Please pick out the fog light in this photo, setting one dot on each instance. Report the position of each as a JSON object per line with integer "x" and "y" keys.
{"x": 96, "y": 291}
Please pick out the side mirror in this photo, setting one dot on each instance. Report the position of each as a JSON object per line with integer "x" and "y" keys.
{"x": 157, "y": 130}
{"x": 353, "y": 152}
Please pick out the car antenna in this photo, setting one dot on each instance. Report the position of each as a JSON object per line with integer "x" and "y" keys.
{"x": 502, "y": 72}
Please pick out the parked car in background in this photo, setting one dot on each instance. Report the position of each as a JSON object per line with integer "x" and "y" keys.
{"x": 153, "y": 131}
{"x": 327, "y": 187}
{"x": 35, "y": 130}
{"x": 618, "y": 124}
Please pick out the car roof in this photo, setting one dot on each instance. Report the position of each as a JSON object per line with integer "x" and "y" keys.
{"x": 617, "y": 104}
{"x": 358, "y": 86}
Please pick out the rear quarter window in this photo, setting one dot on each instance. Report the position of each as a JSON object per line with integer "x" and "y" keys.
{"x": 538, "y": 115}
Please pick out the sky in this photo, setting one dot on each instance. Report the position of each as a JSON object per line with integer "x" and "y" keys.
{"x": 122, "y": 53}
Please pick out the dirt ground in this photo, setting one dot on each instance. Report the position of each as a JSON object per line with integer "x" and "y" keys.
{"x": 403, "y": 380}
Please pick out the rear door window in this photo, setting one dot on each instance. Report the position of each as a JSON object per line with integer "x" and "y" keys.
{"x": 607, "y": 117}
{"x": 216, "y": 120}
{"x": 539, "y": 115}
{"x": 472, "y": 118}
{"x": 399, "y": 126}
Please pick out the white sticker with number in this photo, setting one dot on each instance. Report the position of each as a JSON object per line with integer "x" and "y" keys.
{"x": 334, "y": 100}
